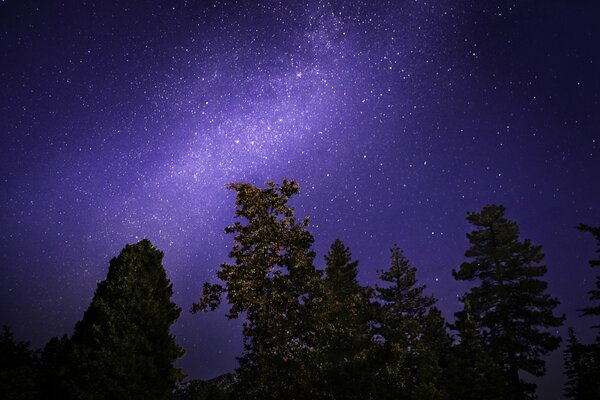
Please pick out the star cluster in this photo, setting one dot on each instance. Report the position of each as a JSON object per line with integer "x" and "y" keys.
{"x": 123, "y": 121}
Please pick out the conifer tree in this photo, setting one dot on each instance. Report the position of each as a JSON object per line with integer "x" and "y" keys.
{"x": 402, "y": 316}
{"x": 582, "y": 367}
{"x": 471, "y": 373}
{"x": 509, "y": 306}
{"x": 19, "y": 368}
{"x": 432, "y": 356}
{"x": 582, "y": 361}
{"x": 342, "y": 328}
{"x": 122, "y": 348}
{"x": 274, "y": 283}
{"x": 594, "y": 309}
{"x": 53, "y": 360}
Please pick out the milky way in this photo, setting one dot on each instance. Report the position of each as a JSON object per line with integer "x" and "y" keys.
{"x": 123, "y": 122}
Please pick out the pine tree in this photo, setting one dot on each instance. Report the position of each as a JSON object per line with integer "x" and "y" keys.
{"x": 274, "y": 283}
{"x": 582, "y": 367}
{"x": 342, "y": 328}
{"x": 19, "y": 369}
{"x": 582, "y": 361}
{"x": 594, "y": 309}
{"x": 510, "y": 306}
{"x": 53, "y": 360}
{"x": 403, "y": 311}
{"x": 122, "y": 348}
{"x": 432, "y": 356}
{"x": 471, "y": 373}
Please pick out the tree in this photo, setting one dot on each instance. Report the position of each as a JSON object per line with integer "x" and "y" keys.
{"x": 582, "y": 361}
{"x": 18, "y": 368}
{"x": 432, "y": 355}
{"x": 403, "y": 313}
{"x": 199, "y": 390}
{"x": 53, "y": 360}
{"x": 593, "y": 310}
{"x": 510, "y": 306}
{"x": 582, "y": 367}
{"x": 342, "y": 325}
{"x": 471, "y": 373}
{"x": 273, "y": 282}
{"x": 122, "y": 348}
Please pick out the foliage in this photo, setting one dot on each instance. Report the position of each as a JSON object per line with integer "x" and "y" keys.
{"x": 122, "y": 347}
{"x": 472, "y": 374}
{"x": 18, "y": 368}
{"x": 341, "y": 321}
{"x": 582, "y": 368}
{"x": 408, "y": 360}
{"x": 510, "y": 306}
{"x": 53, "y": 380}
{"x": 199, "y": 390}
{"x": 273, "y": 282}
{"x": 582, "y": 361}
{"x": 594, "y": 310}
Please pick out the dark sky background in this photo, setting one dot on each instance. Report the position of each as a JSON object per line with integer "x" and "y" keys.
{"x": 123, "y": 121}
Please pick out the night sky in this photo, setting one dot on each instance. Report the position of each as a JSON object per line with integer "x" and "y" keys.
{"x": 125, "y": 121}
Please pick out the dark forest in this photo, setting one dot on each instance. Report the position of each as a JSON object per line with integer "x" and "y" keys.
{"x": 318, "y": 333}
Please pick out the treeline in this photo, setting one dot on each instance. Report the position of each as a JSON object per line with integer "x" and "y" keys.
{"x": 314, "y": 333}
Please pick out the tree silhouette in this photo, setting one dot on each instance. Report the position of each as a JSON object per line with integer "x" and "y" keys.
{"x": 342, "y": 328}
{"x": 122, "y": 348}
{"x": 510, "y": 306}
{"x": 582, "y": 368}
{"x": 403, "y": 319}
{"x": 18, "y": 368}
{"x": 582, "y": 361}
{"x": 274, "y": 283}
{"x": 471, "y": 373}
{"x": 594, "y": 309}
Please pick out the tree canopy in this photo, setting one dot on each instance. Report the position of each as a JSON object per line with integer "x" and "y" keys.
{"x": 509, "y": 304}
{"x": 122, "y": 348}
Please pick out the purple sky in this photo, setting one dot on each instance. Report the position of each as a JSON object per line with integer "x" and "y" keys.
{"x": 126, "y": 121}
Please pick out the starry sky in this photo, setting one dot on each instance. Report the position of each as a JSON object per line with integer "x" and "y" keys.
{"x": 125, "y": 120}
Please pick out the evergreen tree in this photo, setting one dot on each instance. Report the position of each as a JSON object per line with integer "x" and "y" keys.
{"x": 471, "y": 373}
{"x": 274, "y": 283}
{"x": 199, "y": 390}
{"x": 582, "y": 361}
{"x": 19, "y": 368}
{"x": 53, "y": 360}
{"x": 402, "y": 317}
{"x": 342, "y": 328}
{"x": 582, "y": 367}
{"x": 594, "y": 309}
{"x": 432, "y": 356}
{"x": 122, "y": 348}
{"x": 510, "y": 306}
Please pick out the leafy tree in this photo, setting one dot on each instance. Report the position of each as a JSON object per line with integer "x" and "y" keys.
{"x": 122, "y": 348}
{"x": 342, "y": 325}
{"x": 510, "y": 306}
{"x": 402, "y": 318}
{"x": 273, "y": 282}
{"x": 18, "y": 368}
